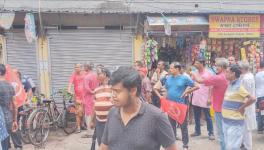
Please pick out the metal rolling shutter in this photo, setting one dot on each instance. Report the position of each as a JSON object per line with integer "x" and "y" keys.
{"x": 21, "y": 54}
{"x": 108, "y": 47}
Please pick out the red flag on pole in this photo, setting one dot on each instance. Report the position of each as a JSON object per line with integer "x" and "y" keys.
{"x": 20, "y": 93}
{"x": 175, "y": 110}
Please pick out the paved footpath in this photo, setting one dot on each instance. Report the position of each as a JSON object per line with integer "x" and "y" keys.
{"x": 60, "y": 141}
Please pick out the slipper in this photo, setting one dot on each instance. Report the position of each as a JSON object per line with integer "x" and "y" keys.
{"x": 78, "y": 131}
{"x": 87, "y": 136}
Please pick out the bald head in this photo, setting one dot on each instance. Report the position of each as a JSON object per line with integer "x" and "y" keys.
{"x": 231, "y": 60}
{"x": 78, "y": 68}
{"x": 17, "y": 73}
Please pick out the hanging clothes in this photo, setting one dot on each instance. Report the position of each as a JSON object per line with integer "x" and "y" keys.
{"x": 151, "y": 52}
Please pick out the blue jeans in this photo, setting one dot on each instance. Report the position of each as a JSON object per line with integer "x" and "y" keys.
{"x": 197, "y": 116}
{"x": 219, "y": 125}
{"x": 15, "y": 136}
{"x": 99, "y": 131}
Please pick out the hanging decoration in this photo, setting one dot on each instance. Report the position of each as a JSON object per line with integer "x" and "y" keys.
{"x": 195, "y": 52}
{"x": 167, "y": 25}
{"x": 151, "y": 52}
{"x": 30, "y": 27}
{"x": 202, "y": 47}
{"x": 6, "y": 20}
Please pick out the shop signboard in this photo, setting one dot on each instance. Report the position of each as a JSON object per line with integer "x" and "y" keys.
{"x": 262, "y": 24}
{"x": 234, "y": 26}
{"x": 177, "y": 20}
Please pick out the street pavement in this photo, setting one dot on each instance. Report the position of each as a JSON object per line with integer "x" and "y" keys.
{"x": 60, "y": 141}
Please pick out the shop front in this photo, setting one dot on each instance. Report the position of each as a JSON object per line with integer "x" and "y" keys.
{"x": 209, "y": 37}
{"x": 237, "y": 36}
{"x": 187, "y": 32}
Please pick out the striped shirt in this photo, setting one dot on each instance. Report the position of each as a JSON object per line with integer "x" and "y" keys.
{"x": 234, "y": 99}
{"x": 102, "y": 104}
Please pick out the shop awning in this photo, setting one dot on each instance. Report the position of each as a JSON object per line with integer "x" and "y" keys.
{"x": 178, "y": 20}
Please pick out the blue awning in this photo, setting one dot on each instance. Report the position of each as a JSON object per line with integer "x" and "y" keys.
{"x": 178, "y": 20}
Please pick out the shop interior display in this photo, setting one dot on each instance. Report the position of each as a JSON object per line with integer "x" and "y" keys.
{"x": 188, "y": 47}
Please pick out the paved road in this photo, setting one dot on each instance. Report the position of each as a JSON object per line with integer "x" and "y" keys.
{"x": 59, "y": 141}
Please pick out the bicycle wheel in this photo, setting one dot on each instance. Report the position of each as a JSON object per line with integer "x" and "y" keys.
{"x": 23, "y": 128}
{"x": 69, "y": 119}
{"x": 39, "y": 124}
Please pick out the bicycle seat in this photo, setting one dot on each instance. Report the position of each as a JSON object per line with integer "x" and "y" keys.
{"x": 47, "y": 101}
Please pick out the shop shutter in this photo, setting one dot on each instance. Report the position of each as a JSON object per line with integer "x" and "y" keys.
{"x": 21, "y": 54}
{"x": 67, "y": 47}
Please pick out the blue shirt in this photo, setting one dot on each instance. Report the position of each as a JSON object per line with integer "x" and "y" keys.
{"x": 27, "y": 83}
{"x": 176, "y": 86}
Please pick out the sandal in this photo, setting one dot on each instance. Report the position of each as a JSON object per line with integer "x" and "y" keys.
{"x": 78, "y": 131}
{"x": 87, "y": 136}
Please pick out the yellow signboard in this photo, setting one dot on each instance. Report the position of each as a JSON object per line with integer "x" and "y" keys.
{"x": 234, "y": 26}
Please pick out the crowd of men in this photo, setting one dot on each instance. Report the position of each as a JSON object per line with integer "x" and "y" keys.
{"x": 229, "y": 89}
{"x": 124, "y": 107}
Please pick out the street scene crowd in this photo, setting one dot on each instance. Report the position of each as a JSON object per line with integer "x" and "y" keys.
{"x": 133, "y": 109}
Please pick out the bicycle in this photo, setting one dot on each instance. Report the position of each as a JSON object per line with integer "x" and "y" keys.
{"x": 48, "y": 116}
{"x": 24, "y": 116}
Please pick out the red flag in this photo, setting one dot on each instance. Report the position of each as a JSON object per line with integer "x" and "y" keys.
{"x": 175, "y": 110}
{"x": 20, "y": 93}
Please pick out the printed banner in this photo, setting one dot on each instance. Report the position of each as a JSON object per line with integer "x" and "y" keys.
{"x": 234, "y": 26}
{"x": 175, "y": 110}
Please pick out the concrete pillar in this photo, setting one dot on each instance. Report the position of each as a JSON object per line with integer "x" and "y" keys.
{"x": 43, "y": 57}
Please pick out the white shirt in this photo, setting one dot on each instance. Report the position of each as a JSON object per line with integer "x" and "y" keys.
{"x": 155, "y": 78}
{"x": 260, "y": 84}
{"x": 248, "y": 82}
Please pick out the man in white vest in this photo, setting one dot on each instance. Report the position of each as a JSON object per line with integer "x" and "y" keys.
{"x": 248, "y": 81}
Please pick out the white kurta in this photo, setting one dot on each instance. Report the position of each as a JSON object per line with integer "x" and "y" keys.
{"x": 248, "y": 82}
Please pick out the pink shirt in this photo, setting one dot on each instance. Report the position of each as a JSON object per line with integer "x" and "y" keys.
{"x": 201, "y": 96}
{"x": 90, "y": 83}
{"x": 219, "y": 85}
{"x": 77, "y": 81}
